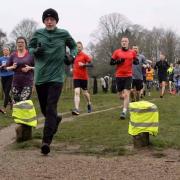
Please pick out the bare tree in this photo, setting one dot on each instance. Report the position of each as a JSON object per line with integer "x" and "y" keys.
{"x": 113, "y": 26}
{"x": 169, "y": 43}
{"x": 106, "y": 39}
{"x": 177, "y": 50}
{"x": 25, "y": 28}
{"x": 3, "y": 39}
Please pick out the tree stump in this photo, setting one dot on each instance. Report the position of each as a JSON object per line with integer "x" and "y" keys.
{"x": 141, "y": 140}
{"x": 23, "y": 133}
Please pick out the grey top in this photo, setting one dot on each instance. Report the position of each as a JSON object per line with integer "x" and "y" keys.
{"x": 137, "y": 69}
{"x": 177, "y": 72}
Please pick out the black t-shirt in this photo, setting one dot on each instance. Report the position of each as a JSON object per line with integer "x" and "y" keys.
{"x": 162, "y": 67}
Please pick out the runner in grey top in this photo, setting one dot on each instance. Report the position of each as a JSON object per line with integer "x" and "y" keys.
{"x": 137, "y": 69}
{"x": 137, "y": 77}
{"x": 177, "y": 77}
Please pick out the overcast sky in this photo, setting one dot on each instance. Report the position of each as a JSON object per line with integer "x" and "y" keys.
{"x": 81, "y": 17}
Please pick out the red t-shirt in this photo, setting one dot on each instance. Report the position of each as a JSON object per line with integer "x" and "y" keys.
{"x": 80, "y": 72}
{"x": 124, "y": 69}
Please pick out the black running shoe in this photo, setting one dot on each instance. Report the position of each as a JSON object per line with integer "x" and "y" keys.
{"x": 45, "y": 148}
{"x": 89, "y": 108}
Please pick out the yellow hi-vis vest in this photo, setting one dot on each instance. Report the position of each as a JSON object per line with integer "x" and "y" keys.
{"x": 170, "y": 70}
{"x": 144, "y": 117}
{"x": 24, "y": 113}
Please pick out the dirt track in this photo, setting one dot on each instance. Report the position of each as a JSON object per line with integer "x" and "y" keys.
{"x": 30, "y": 164}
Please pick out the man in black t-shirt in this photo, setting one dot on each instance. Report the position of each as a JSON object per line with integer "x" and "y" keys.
{"x": 162, "y": 66}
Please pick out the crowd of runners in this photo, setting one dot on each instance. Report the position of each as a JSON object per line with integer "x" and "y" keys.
{"x": 41, "y": 64}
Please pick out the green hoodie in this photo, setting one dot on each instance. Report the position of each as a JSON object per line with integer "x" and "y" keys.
{"x": 50, "y": 66}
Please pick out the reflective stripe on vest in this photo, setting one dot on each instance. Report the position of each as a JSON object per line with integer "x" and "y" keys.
{"x": 26, "y": 120}
{"x": 23, "y": 106}
{"x": 150, "y": 109}
{"x": 155, "y": 124}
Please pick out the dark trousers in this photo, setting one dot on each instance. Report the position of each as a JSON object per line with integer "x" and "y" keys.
{"x": 6, "y": 82}
{"x": 48, "y": 95}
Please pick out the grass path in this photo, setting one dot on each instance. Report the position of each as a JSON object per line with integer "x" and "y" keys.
{"x": 30, "y": 164}
{"x": 8, "y": 134}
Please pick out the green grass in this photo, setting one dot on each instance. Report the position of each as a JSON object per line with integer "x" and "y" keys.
{"x": 66, "y": 104}
{"x": 5, "y": 120}
{"x": 99, "y": 133}
{"x": 169, "y": 135}
{"x": 99, "y": 101}
{"x": 103, "y": 133}
{"x": 105, "y": 129}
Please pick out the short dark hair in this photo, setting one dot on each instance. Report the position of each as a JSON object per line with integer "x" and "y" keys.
{"x": 163, "y": 53}
{"x": 79, "y": 42}
{"x": 124, "y": 37}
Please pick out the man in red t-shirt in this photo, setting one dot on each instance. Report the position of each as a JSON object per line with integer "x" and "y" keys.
{"x": 80, "y": 78}
{"x": 123, "y": 59}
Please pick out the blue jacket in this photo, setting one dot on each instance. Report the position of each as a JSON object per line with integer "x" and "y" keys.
{"x": 4, "y": 72}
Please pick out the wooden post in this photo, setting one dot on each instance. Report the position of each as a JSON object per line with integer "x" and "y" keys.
{"x": 23, "y": 133}
{"x": 95, "y": 86}
{"x": 141, "y": 140}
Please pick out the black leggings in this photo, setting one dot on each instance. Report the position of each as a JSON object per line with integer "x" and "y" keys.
{"x": 6, "y": 82}
{"x": 48, "y": 95}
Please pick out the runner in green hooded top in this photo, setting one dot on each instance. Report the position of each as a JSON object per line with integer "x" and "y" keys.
{"x": 48, "y": 46}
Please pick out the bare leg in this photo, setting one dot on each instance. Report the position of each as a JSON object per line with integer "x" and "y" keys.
{"x": 77, "y": 97}
{"x": 125, "y": 96}
{"x": 163, "y": 88}
{"x": 87, "y": 96}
